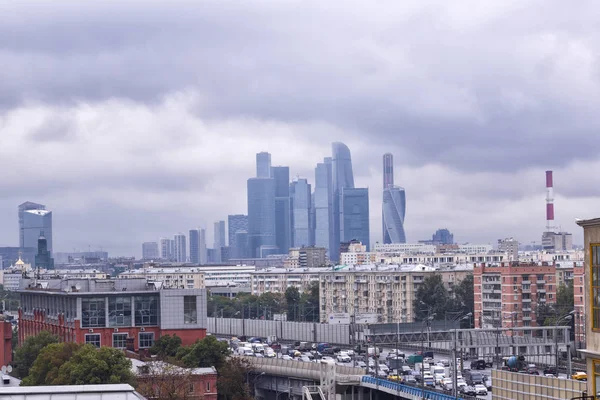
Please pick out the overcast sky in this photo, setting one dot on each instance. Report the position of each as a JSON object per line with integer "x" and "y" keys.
{"x": 136, "y": 120}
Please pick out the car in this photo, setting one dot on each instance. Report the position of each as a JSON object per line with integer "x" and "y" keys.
{"x": 460, "y": 384}
{"x": 579, "y": 376}
{"x": 481, "y": 390}
{"x": 446, "y": 384}
{"x": 286, "y": 357}
{"x": 532, "y": 371}
{"x": 428, "y": 380}
{"x": 328, "y": 351}
{"x": 269, "y": 353}
{"x": 384, "y": 368}
{"x": 327, "y": 358}
{"x": 394, "y": 377}
{"x": 304, "y": 359}
{"x": 478, "y": 364}
{"x": 468, "y": 390}
{"x": 350, "y": 352}
{"x": 444, "y": 362}
{"x": 409, "y": 379}
{"x": 439, "y": 378}
{"x": 550, "y": 371}
{"x": 359, "y": 364}
{"x": 343, "y": 358}
{"x": 487, "y": 382}
{"x": 381, "y": 374}
{"x": 259, "y": 355}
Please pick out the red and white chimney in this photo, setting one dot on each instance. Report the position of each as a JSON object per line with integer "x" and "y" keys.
{"x": 549, "y": 201}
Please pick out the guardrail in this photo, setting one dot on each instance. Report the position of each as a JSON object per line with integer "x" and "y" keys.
{"x": 399, "y": 388}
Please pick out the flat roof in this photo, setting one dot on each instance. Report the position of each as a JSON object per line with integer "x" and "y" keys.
{"x": 588, "y": 222}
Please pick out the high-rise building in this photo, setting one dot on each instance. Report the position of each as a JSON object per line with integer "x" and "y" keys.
{"x": 261, "y": 215}
{"x": 283, "y": 230}
{"x": 263, "y": 165}
{"x": 180, "y": 248}
{"x": 355, "y": 215}
{"x": 33, "y": 219}
{"x": 300, "y": 192}
{"x": 323, "y": 206}
{"x": 443, "y": 236}
{"x": 510, "y": 246}
{"x": 241, "y": 244}
{"x": 165, "y": 249}
{"x": 194, "y": 237}
{"x": 236, "y": 223}
{"x": 219, "y": 239}
{"x": 43, "y": 259}
{"x": 202, "y": 250}
{"x": 150, "y": 251}
{"x": 388, "y": 170}
{"x": 342, "y": 177}
{"x": 394, "y": 209}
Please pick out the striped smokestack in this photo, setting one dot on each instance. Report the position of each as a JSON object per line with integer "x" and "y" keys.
{"x": 549, "y": 201}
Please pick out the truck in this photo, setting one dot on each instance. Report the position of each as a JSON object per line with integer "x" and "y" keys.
{"x": 304, "y": 346}
{"x": 414, "y": 358}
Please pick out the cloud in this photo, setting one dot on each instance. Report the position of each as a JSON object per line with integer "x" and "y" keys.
{"x": 150, "y": 113}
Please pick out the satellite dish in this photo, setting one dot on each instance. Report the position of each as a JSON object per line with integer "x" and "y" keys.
{"x": 4, "y": 369}
{"x": 9, "y": 369}
{"x": 77, "y": 287}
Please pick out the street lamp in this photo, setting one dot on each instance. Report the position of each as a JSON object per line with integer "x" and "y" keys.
{"x": 425, "y": 323}
{"x": 564, "y": 318}
{"x": 455, "y": 368}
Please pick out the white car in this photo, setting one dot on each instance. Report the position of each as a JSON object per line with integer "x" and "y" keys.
{"x": 445, "y": 363}
{"x": 343, "y": 358}
{"x": 460, "y": 383}
{"x": 384, "y": 368}
{"x": 286, "y": 357}
{"x": 361, "y": 364}
{"x": 350, "y": 352}
{"x": 481, "y": 390}
{"x": 327, "y": 358}
{"x": 439, "y": 378}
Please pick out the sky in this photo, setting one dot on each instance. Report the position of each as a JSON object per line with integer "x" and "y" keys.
{"x": 136, "y": 120}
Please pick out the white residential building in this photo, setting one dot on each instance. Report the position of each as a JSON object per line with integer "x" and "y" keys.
{"x": 277, "y": 280}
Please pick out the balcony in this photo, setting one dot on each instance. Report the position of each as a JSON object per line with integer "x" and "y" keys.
{"x": 541, "y": 282}
{"x": 527, "y": 282}
{"x": 526, "y": 308}
{"x": 528, "y": 300}
{"x": 541, "y": 290}
{"x": 526, "y": 318}
{"x": 526, "y": 290}
{"x": 542, "y": 299}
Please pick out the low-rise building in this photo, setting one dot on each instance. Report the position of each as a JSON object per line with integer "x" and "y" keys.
{"x": 121, "y": 313}
{"x": 277, "y": 280}
{"x": 386, "y": 290}
{"x": 307, "y": 257}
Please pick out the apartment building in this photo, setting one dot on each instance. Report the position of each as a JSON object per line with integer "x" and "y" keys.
{"x": 307, "y": 257}
{"x": 277, "y": 280}
{"x": 385, "y": 290}
{"x": 507, "y": 294}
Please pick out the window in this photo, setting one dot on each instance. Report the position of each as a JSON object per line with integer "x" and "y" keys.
{"x": 595, "y": 285}
{"x": 93, "y": 338}
{"x": 146, "y": 340}
{"x": 146, "y": 310}
{"x": 596, "y": 371}
{"x": 190, "y": 314}
{"x": 191, "y": 388}
{"x": 208, "y": 386}
{"x": 119, "y": 311}
{"x": 93, "y": 313}
{"x": 119, "y": 340}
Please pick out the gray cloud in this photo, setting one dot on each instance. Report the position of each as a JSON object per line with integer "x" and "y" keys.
{"x": 153, "y": 107}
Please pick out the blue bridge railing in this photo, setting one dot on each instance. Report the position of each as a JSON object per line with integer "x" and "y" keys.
{"x": 414, "y": 391}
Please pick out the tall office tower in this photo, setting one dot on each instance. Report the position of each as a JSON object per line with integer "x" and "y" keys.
{"x": 172, "y": 250}
{"x": 219, "y": 239}
{"x": 312, "y": 220}
{"x": 323, "y": 206}
{"x": 388, "y": 170}
{"x": 261, "y": 215}
{"x": 202, "y": 250}
{"x": 283, "y": 228}
{"x": 355, "y": 215}
{"x": 241, "y": 244}
{"x": 194, "y": 238}
{"x": 149, "y": 251}
{"x": 165, "y": 248}
{"x": 180, "y": 248}
{"x": 393, "y": 211}
{"x": 300, "y": 191}
{"x": 342, "y": 177}
{"x": 236, "y": 223}
{"x": 263, "y": 165}
{"x": 43, "y": 260}
{"x": 443, "y": 236}
{"x": 33, "y": 219}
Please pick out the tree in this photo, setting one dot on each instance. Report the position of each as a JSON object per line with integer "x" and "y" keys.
{"x": 166, "y": 346}
{"x": 232, "y": 382}
{"x": 26, "y": 355}
{"x": 74, "y": 364}
{"x": 432, "y": 297}
{"x": 292, "y": 298}
{"x": 208, "y": 352}
{"x": 165, "y": 381}
{"x": 464, "y": 297}
{"x": 565, "y": 300}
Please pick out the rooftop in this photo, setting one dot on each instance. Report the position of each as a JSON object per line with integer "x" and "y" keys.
{"x": 155, "y": 367}
{"x": 72, "y": 392}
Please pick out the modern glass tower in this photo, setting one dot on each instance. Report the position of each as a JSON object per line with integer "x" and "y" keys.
{"x": 342, "y": 177}
{"x": 393, "y": 205}
{"x": 194, "y": 246}
{"x": 355, "y": 215}
{"x": 394, "y": 209}
{"x": 236, "y": 223}
{"x": 261, "y": 215}
{"x": 219, "y": 239}
{"x": 283, "y": 229}
{"x": 180, "y": 248}
{"x": 34, "y": 219}
{"x": 323, "y": 205}
{"x": 301, "y": 191}
{"x": 263, "y": 165}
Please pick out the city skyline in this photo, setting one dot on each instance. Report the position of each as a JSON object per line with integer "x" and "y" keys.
{"x": 140, "y": 134}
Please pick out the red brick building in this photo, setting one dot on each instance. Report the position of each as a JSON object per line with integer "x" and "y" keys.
{"x": 6, "y": 345}
{"x": 121, "y": 313}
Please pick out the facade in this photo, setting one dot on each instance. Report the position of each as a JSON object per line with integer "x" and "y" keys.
{"x": 388, "y": 291}
{"x": 194, "y": 237}
{"x": 557, "y": 241}
{"x": 307, "y": 257}
{"x": 43, "y": 259}
{"x": 323, "y": 205}
{"x": 277, "y": 280}
{"x": 167, "y": 381}
{"x": 166, "y": 249}
{"x": 219, "y": 239}
{"x": 236, "y": 223}
{"x": 35, "y": 223}
{"x": 28, "y": 205}
{"x": 181, "y": 277}
{"x": 404, "y": 248}
{"x": 6, "y": 332}
{"x": 120, "y": 313}
{"x": 509, "y": 246}
{"x": 202, "y": 250}
{"x": 342, "y": 177}
{"x": 507, "y": 294}
{"x": 300, "y": 192}
{"x": 241, "y": 245}
{"x": 355, "y": 215}
{"x": 394, "y": 210}
{"x": 263, "y": 165}
{"x": 150, "y": 251}
{"x": 283, "y": 221}
{"x": 261, "y": 215}
{"x": 180, "y": 248}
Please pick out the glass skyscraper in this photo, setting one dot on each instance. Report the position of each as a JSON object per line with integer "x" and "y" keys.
{"x": 393, "y": 205}
{"x": 342, "y": 177}
{"x": 282, "y": 208}
{"x": 355, "y": 215}
{"x": 236, "y": 223}
{"x": 263, "y": 165}
{"x": 261, "y": 215}
{"x": 194, "y": 246}
{"x": 180, "y": 248}
{"x": 33, "y": 220}
{"x": 301, "y": 193}
{"x": 323, "y": 206}
{"x": 219, "y": 239}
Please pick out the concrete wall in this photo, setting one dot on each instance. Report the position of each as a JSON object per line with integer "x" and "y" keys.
{"x": 518, "y": 386}
{"x": 290, "y": 331}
